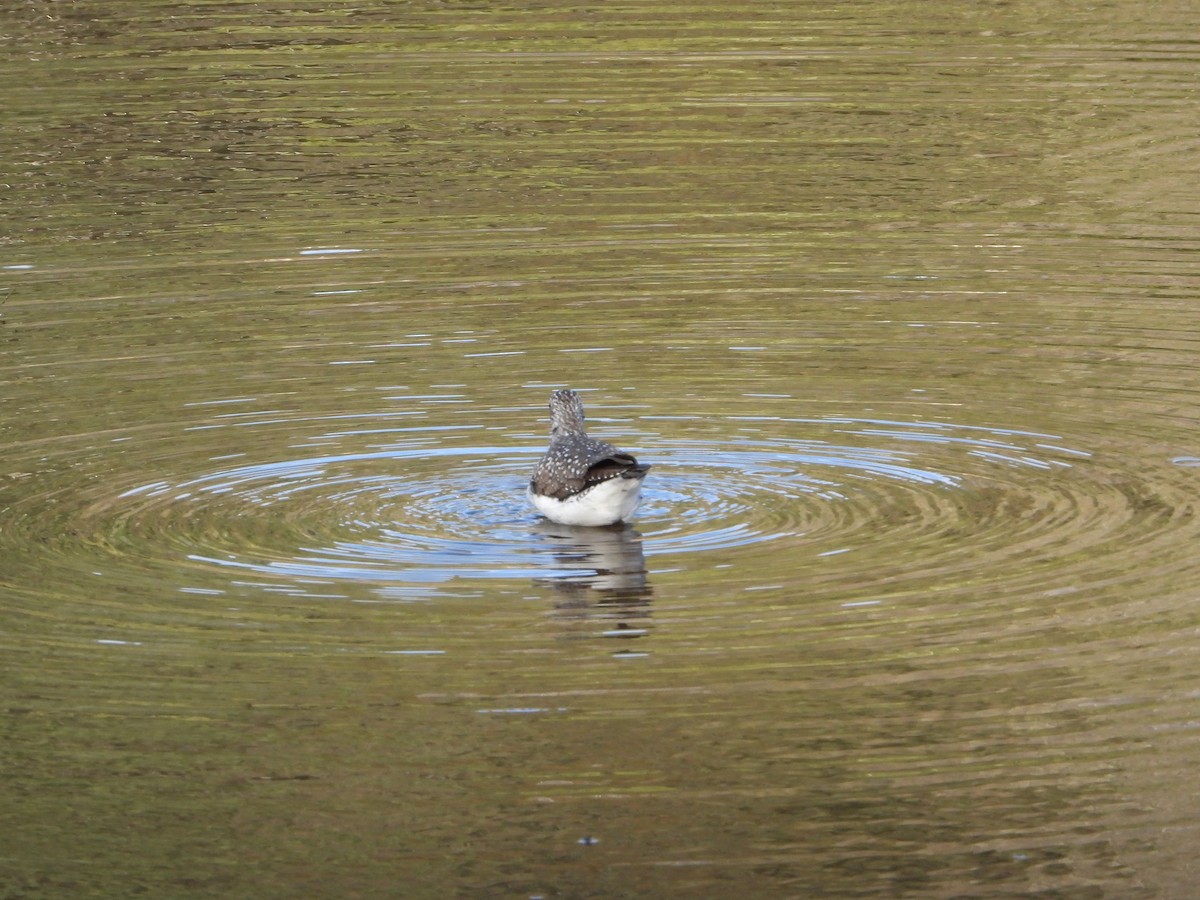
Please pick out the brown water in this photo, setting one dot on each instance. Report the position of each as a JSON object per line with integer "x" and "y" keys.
{"x": 900, "y": 300}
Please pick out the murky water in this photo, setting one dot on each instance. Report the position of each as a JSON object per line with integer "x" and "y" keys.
{"x": 899, "y": 301}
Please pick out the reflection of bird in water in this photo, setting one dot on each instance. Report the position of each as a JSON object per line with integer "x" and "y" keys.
{"x": 580, "y": 480}
{"x": 607, "y": 560}
{"x": 605, "y": 578}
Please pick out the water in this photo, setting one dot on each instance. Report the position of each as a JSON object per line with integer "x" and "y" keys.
{"x": 898, "y": 301}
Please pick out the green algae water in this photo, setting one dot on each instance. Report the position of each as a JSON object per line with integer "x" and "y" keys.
{"x": 898, "y": 301}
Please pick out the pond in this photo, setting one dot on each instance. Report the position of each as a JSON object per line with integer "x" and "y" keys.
{"x": 899, "y": 301}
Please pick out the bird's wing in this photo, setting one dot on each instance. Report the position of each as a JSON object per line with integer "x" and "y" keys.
{"x": 577, "y": 463}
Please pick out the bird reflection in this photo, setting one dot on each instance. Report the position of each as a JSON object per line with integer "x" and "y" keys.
{"x": 607, "y": 576}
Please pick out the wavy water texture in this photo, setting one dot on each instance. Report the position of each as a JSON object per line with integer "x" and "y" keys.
{"x": 899, "y": 300}
{"x": 424, "y": 512}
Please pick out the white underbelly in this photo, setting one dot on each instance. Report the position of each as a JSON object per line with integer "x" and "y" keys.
{"x": 608, "y": 502}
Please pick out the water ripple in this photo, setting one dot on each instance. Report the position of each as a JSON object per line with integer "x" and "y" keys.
{"x": 416, "y": 516}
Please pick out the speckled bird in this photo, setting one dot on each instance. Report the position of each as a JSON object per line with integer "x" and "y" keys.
{"x": 580, "y": 480}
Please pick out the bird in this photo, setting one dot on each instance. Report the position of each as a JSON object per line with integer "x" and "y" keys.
{"x": 582, "y": 480}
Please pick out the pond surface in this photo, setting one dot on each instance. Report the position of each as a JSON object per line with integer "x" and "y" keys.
{"x": 899, "y": 300}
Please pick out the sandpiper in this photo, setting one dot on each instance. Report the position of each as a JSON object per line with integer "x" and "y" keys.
{"x": 580, "y": 480}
